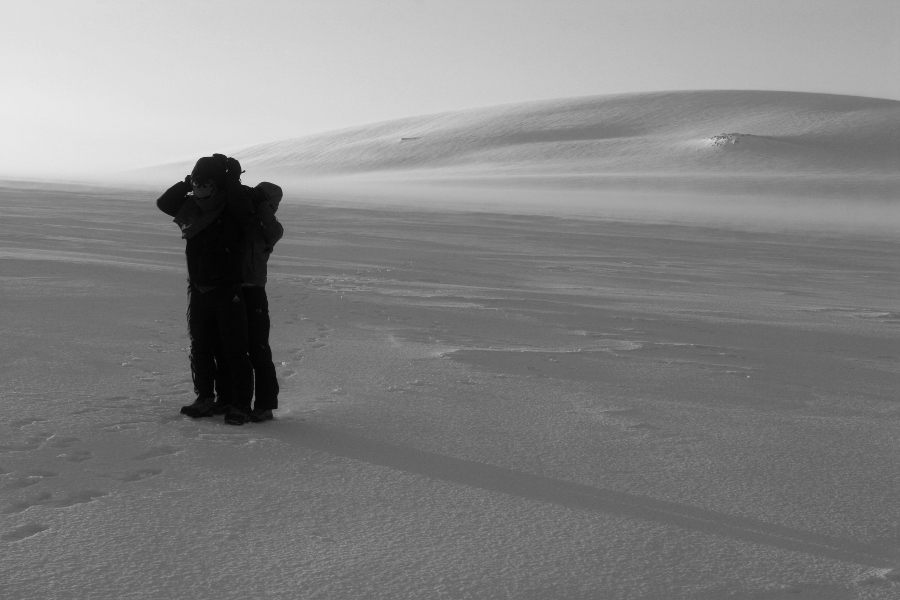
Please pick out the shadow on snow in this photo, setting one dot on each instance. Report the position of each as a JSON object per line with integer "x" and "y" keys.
{"x": 554, "y": 491}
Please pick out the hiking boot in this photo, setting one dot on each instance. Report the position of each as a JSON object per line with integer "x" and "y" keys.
{"x": 202, "y": 407}
{"x": 236, "y": 417}
{"x": 258, "y": 415}
{"x": 221, "y": 407}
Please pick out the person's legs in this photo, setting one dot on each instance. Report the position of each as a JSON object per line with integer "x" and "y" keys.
{"x": 224, "y": 389}
{"x": 231, "y": 318}
{"x": 203, "y": 334}
{"x": 258, "y": 326}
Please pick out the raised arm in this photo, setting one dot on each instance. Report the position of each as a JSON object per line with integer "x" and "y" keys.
{"x": 174, "y": 198}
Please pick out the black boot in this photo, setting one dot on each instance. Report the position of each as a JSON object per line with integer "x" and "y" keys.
{"x": 221, "y": 407}
{"x": 202, "y": 407}
{"x": 236, "y": 417}
{"x": 258, "y": 415}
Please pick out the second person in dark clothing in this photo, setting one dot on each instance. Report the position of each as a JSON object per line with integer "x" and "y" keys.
{"x": 262, "y": 235}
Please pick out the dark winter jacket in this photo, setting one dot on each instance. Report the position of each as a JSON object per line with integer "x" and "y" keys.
{"x": 215, "y": 247}
{"x": 263, "y": 233}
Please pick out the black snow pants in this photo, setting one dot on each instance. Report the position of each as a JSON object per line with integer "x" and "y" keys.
{"x": 258, "y": 325}
{"x": 217, "y": 323}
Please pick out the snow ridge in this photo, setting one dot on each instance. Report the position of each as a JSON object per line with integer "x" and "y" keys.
{"x": 600, "y": 141}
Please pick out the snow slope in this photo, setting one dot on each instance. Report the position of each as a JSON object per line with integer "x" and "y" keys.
{"x": 790, "y": 142}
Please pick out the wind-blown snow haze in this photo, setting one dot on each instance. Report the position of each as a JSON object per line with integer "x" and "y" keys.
{"x": 703, "y": 155}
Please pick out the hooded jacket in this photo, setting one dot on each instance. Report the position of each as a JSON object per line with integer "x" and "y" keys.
{"x": 215, "y": 237}
{"x": 262, "y": 234}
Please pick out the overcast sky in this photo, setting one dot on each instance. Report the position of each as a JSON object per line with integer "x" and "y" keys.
{"x": 91, "y": 85}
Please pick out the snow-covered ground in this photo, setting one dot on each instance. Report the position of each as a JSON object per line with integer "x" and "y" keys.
{"x": 496, "y": 403}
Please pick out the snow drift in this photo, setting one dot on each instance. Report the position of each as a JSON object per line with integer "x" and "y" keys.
{"x": 787, "y": 142}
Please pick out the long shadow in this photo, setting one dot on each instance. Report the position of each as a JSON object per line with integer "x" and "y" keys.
{"x": 555, "y": 491}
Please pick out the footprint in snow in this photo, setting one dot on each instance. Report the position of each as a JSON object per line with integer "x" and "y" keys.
{"x": 23, "y": 505}
{"x": 62, "y": 441}
{"x": 46, "y": 499}
{"x": 24, "y": 532}
{"x": 32, "y": 442}
{"x": 77, "y": 456}
{"x": 137, "y": 475}
{"x": 81, "y": 497}
{"x": 31, "y": 478}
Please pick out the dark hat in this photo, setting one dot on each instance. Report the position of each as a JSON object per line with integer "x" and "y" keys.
{"x": 210, "y": 168}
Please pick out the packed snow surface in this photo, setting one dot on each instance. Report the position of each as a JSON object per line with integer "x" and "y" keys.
{"x": 474, "y": 405}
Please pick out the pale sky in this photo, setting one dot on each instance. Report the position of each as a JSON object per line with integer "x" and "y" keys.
{"x": 90, "y": 86}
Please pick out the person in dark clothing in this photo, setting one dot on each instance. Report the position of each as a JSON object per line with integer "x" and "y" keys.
{"x": 213, "y": 213}
{"x": 262, "y": 235}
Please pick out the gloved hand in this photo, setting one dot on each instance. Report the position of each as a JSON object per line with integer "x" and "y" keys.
{"x": 186, "y": 185}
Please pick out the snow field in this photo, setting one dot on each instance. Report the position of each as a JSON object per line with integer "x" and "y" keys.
{"x": 474, "y": 405}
